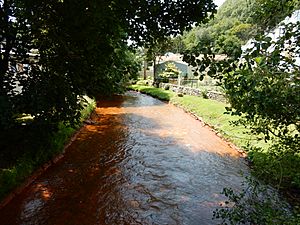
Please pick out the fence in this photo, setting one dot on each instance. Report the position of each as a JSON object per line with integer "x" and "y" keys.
{"x": 208, "y": 84}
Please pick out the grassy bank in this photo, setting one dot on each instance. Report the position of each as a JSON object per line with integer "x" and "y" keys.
{"x": 26, "y": 149}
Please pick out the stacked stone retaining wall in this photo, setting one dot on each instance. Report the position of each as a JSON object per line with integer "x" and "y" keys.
{"x": 193, "y": 91}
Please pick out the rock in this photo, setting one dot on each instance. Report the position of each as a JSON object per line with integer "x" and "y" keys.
{"x": 90, "y": 122}
{"x": 134, "y": 204}
{"x": 193, "y": 91}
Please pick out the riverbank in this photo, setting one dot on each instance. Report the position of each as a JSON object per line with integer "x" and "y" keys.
{"x": 27, "y": 152}
{"x": 283, "y": 174}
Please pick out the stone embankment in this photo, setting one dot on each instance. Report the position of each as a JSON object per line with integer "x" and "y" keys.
{"x": 193, "y": 91}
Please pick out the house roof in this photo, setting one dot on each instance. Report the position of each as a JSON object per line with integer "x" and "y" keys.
{"x": 178, "y": 58}
{"x": 172, "y": 61}
{"x": 170, "y": 57}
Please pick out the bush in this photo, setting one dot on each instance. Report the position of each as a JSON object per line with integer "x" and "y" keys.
{"x": 256, "y": 204}
{"x": 204, "y": 94}
{"x": 171, "y": 71}
{"x": 143, "y": 82}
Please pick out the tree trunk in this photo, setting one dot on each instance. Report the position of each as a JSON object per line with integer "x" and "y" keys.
{"x": 154, "y": 70}
{"x": 5, "y": 43}
{"x": 145, "y": 69}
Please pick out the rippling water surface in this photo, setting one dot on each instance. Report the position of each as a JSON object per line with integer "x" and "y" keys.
{"x": 143, "y": 162}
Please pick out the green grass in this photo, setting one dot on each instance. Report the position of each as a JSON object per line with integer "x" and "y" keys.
{"x": 35, "y": 151}
{"x": 154, "y": 92}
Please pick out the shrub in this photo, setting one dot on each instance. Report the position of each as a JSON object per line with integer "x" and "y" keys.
{"x": 167, "y": 87}
{"x": 256, "y": 204}
{"x": 204, "y": 94}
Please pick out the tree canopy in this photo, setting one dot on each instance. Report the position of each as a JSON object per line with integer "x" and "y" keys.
{"x": 53, "y": 52}
{"x": 262, "y": 87}
{"x": 262, "y": 82}
{"x": 235, "y": 23}
{"x": 230, "y": 28}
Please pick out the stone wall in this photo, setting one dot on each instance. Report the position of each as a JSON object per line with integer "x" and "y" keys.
{"x": 193, "y": 91}
{"x": 216, "y": 96}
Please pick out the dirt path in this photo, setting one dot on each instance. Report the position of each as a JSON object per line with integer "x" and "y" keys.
{"x": 142, "y": 162}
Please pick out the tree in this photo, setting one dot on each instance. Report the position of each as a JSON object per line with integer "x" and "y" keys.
{"x": 243, "y": 31}
{"x": 80, "y": 49}
{"x": 265, "y": 88}
{"x": 262, "y": 86}
{"x": 171, "y": 71}
{"x": 229, "y": 45}
{"x": 269, "y": 13}
{"x": 240, "y": 10}
{"x": 177, "y": 44}
{"x": 231, "y": 27}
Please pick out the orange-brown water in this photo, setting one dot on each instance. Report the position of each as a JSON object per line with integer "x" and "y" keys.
{"x": 143, "y": 162}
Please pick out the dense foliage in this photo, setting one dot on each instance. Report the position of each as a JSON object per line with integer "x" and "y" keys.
{"x": 255, "y": 204}
{"x": 231, "y": 28}
{"x": 262, "y": 86}
{"x": 53, "y": 52}
{"x": 235, "y": 23}
{"x": 267, "y": 14}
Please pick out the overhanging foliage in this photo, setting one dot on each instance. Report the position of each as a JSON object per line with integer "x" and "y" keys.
{"x": 69, "y": 48}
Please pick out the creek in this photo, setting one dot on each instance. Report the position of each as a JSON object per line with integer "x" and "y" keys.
{"x": 142, "y": 161}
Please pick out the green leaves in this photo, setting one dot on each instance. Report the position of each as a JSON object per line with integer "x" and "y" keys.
{"x": 269, "y": 13}
{"x": 255, "y": 204}
{"x": 80, "y": 48}
{"x": 262, "y": 85}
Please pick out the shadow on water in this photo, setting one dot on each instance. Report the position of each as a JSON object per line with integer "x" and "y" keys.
{"x": 138, "y": 164}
